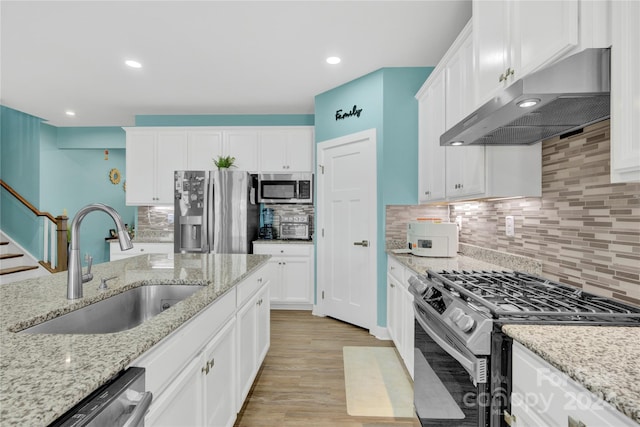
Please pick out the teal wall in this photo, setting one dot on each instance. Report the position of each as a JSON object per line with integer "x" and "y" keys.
{"x": 20, "y": 168}
{"x": 99, "y": 138}
{"x": 227, "y": 120}
{"x": 73, "y": 178}
{"x": 387, "y": 100}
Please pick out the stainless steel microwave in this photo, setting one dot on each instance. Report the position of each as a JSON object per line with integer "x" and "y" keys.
{"x": 285, "y": 188}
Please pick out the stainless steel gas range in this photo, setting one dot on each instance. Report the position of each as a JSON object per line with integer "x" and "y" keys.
{"x": 462, "y": 366}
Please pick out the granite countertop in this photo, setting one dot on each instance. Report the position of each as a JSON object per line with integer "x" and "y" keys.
{"x": 44, "y": 375}
{"x": 420, "y": 265}
{"x": 603, "y": 359}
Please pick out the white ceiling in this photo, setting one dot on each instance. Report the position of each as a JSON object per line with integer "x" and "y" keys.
{"x": 205, "y": 57}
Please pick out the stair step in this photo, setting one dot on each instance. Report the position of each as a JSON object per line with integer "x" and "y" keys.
{"x": 17, "y": 269}
{"x": 7, "y": 256}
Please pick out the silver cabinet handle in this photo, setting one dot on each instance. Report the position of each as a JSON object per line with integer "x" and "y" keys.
{"x": 364, "y": 243}
{"x": 141, "y": 409}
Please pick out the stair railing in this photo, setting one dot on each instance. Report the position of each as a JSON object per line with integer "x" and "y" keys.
{"x": 54, "y": 236}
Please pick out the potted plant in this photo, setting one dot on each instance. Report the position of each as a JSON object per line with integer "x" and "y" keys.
{"x": 224, "y": 162}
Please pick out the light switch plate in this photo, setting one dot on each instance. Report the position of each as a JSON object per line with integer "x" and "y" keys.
{"x": 459, "y": 222}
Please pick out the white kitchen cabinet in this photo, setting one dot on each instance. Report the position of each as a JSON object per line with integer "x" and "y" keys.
{"x": 400, "y": 317}
{"x": 431, "y": 155}
{"x": 466, "y": 170}
{"x": 151, "y": 159}
{"x": 204, "y": 393}
{"x": 625, "y": 91}
{"x": 218, "y": 372}
{"x": 203, "y": 146}
{"x": 512, "y": 39}
{"x": 243, "y": 145}
{"x": 292, "y": 283}
{"x": 181, "y": 402}
{"x": 115, "y": 253}
{"x": 253, "y": 340}
{"x": 286, "y": 150}
{"x": 543, "y": 395}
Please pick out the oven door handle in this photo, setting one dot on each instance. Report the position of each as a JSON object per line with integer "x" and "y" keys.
{"x": 470, "y": 365}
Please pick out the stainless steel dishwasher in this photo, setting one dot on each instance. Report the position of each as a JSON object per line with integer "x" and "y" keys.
{"x": 122, "y": 402}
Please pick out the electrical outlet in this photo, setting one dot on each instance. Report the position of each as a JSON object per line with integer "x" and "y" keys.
{"x": 510, "y": 227}
{"x": 459, "y": 222}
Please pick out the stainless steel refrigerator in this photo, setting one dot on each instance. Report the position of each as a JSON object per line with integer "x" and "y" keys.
{"x": 215, "y": 211}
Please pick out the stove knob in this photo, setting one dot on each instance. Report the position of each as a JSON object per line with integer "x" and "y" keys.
{"x": 466, "y": 323}
{"x": 456, "y": 314}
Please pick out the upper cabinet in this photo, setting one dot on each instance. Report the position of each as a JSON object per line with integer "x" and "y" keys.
{"x": 462, "y": 173}
{"x": 514, "y": 38}
{"x": 625, "y": 92}
{"x": 154, "y": 153}
{"x": 151, "y": 159}
{"x": 286, "y": 150}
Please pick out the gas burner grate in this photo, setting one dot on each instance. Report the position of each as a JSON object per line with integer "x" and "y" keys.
{"x": 520, "y": 295}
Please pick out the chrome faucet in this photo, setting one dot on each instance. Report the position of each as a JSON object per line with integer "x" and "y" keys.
{"x": 75, "y": 278}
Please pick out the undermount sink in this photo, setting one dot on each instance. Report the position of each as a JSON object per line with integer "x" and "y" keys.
{"x": 117, "y": 313}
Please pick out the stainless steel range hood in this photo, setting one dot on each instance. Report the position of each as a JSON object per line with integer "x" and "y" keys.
{"x": 570, "y": 95}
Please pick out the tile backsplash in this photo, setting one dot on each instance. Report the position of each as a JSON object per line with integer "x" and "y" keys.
{"x": 584, "y": 230}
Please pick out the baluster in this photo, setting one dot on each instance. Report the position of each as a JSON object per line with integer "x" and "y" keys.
{"x": 53, "y": 244}
{"x": 45, "y": 232}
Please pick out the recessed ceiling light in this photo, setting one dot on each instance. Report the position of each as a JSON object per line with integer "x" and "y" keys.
{"x": 528, "y": 103}
{"x": 333, "y": 60}
{"x": 133, "y": 64}
{"x": 457, "y": 143}
{"x": 70, "y": 113}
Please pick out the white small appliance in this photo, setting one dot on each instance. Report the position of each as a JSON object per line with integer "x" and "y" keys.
{"x": 432, "y": 239}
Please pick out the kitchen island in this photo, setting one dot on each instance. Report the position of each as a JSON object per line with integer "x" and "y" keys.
{"x": 44, "y": 375}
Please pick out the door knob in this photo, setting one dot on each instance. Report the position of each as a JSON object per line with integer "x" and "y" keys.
{"x": 364, "y": 243}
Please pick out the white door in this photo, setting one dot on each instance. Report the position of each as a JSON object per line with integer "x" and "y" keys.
{"x": 347, "y": 221}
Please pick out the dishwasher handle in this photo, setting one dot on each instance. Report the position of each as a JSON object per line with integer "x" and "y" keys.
{"x": 141, "y": 409}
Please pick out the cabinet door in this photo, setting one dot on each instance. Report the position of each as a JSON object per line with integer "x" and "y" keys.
{"x": 295, "y": 280}
{"x": 263, "y": 317}
{"x": 181, "y": 403}
{"x": 140, "y": 157}
{"x": 459, "y": 96}
{"x": 243, "y": 145}
{"x": 465, "y": 171}
{"x": 300, "y": 150}
{"x": 491, "y": 47}
{"x": 391, "y": 309}
{"x": 202, "y": 148}
{"x": 171, "y": 155}
{"x": 247, "y": 348}
{"x": 625, "y": 92}
{"x": 219, "y": 381}
{"x": 276, "y": 285}
{"x": 543, "y": 31}
{"x": 273, "y": 147}
{"x": 431, "y": 156}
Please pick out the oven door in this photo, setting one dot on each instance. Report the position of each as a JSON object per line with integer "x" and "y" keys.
{"x": 450, "y": 383}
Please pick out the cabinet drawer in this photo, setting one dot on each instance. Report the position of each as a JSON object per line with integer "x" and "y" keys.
{"x": 251, "y": 284}
{"x": 283, "y": 249}
{"x": 166, "y": 359}
{"x": 139, "y": 249}
{"x": 396, "y": 270}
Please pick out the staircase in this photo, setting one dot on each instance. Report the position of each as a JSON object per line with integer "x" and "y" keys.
{"x": 17, "y": 264}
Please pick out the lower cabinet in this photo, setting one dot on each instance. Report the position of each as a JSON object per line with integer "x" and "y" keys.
{"x": 203, "y": 393}
{"x": 400, "y": 317}
{"x": 292, "y": 284}
{"x": 544, "y": 396}
{"x": 253, "y": 340}
{"x": 201, "y": 373}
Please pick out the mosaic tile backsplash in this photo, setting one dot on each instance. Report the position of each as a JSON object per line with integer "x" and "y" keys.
{"x": 584, "y": 230}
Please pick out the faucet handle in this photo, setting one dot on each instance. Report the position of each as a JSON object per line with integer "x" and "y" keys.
{"x": 88, "y": 276}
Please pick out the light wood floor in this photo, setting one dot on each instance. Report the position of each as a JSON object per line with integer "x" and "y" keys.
{"x": 301, "y": 382}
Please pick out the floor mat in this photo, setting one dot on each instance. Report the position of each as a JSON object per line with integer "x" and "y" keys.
{"x": 376, "y": 383}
